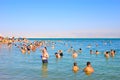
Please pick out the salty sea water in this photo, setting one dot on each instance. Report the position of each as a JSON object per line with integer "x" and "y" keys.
{"x": 17, "y": 66}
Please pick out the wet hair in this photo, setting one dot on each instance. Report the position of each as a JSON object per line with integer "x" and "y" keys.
{"x": 80, "y": 49}
{"x": 107, "y": 52}
{"x": 114, "y": 51}
{"x": 75, "y": 64}
{"x": 45, "y": 48}
{"x": 88, "y": 63}
{"x": 90, "y": 50}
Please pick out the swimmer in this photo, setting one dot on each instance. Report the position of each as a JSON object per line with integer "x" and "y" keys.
{"x": 107, "y": 55}
{"x": 23, "y": 50}
{"x": 112, "y": 53}
{"x": 60, "y": 53}
{"x": 91, "y": 52}
{"x": 80, "y": 50}
{"x": 97, "y": 52}
{"x": 74, "y": 55}
{"x": 75, "y": 68}
{"x": 88, "y": 69}
{"x": 57, "y": 55}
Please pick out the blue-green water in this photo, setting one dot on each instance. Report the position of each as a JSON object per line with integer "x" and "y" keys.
{"x": 17, "y": 66}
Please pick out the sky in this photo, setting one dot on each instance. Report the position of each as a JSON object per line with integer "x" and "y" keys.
{"x": 60, "y": 18}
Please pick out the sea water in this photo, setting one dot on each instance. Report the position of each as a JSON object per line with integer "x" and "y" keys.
{"x": 17, "y": 66}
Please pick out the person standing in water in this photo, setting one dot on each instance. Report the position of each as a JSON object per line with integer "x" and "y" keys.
{"x": 106, "y": 55}
{"x": 97, "y": 52}
{"x": 45, "y": 55}
{"x": 75, "y": 68}
{"x": 59, "y": 54}
{"x": 88, "y": 69}
{"x": 112, "y": 53}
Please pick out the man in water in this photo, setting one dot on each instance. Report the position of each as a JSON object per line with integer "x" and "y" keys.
{"x": 45, "y": 55}
{"x": 112, "y": 53}
{"x": 75, "y": 67}
{"x": 88, "y": 69}
{"x": 107, "y": 55}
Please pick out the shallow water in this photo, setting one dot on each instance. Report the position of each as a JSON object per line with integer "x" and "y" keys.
{"x": 17, "y": 66}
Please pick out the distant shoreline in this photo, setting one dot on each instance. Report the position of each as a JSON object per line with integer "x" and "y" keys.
{"x": 73, "y": 38}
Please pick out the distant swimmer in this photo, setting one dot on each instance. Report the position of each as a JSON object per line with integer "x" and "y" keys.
{"x": 88, "y": 69}
{"x": 112, "y": 53}
{"x": 74, "y": 55}
{"x": 80, "y": 50}
{"x": 70, "y": 50}
{"x": 28, "y": 49}
{"x": 75, "y": 68}
{"x": 45, "y": 55}
{"x": 97, "y": 52}
{"x": 23, "y": 50}
{"x": 59, "y": 54}
{"x": 91, "y": 52}
{"x": 9, "y": 44}
{"x": 33, "y": 48}
{"x": 106, "y": 54}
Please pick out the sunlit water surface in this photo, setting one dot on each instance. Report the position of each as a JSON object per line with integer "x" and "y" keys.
{"x": 17, "y": 66}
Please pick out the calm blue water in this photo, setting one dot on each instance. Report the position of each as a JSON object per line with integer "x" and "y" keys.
{"x": 17, "y": 66}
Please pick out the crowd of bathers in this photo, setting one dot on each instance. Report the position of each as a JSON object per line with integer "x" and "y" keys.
{"x": 26, "y": 46}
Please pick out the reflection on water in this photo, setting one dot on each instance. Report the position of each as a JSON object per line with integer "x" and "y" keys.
{"x": 88, "y": 73}
{"x": 75, "y": 76}
{"x": 45, "y": 70}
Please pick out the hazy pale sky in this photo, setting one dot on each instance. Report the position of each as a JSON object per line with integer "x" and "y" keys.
{"x": 60, "y": 18}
